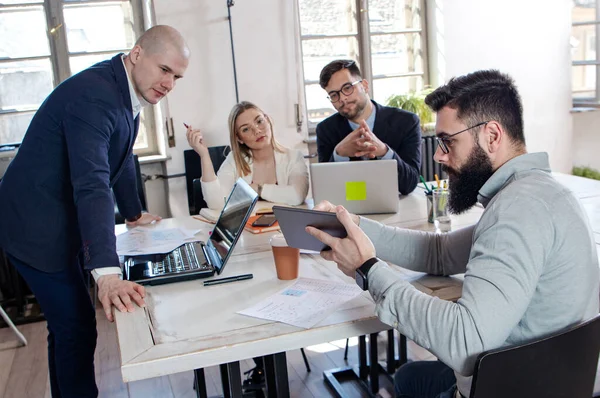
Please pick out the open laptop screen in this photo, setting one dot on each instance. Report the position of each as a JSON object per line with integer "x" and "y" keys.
{"x": 231, "y": 223}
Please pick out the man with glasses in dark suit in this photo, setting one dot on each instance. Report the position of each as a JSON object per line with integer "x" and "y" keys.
{"x": 363, "y": 129}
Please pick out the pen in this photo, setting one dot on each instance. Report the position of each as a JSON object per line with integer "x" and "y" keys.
{"x": 437, "y": 179}
{"x": 228, "y": 279}
{"x": 186, "y": 126}
{"x": 424, "y": 183}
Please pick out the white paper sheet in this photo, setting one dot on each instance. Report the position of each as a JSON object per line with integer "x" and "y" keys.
{"x": 148, "y": 240}
{"x": 305, "y": 303}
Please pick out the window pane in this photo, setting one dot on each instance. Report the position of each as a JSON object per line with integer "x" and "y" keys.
{"x": 583, "y": 43}
{"x": 14, "y": 76}
{"x": 393, "y": 15}
{"x": 396, "y": 54}
{"x": 13, "y": 126}
{"x": 23, "y": 32}
{"x": 385, "y": 88}
{"x": 317, "y": 104}
{"x": 82, "y": 62}
{"x": 584, "y": 81}
{"x": 10, "y": 2}
{"x": 99, "y": 27}
{"x": 584, "y": 10}
{"x": 318, "y": 53}
{"x": 327, "y": 17}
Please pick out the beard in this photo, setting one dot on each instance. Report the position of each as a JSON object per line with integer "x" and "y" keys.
{"x": 466, "y": 182}
{"x": 361, "y": 104}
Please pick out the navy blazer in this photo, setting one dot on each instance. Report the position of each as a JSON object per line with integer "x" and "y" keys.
{"x": 399, "y": 129}
{"x": 55, "y": 197}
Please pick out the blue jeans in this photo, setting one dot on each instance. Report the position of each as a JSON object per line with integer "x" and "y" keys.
{"x": 67, "y": 306}
{"x": 425, "y": 379}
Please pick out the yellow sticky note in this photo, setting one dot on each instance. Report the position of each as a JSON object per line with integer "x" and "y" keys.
{"x": 356, "y": 190}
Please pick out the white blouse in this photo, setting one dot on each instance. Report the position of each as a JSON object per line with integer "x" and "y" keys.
{"x": 291, "y": 187}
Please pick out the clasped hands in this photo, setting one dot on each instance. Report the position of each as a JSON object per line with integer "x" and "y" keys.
{"x": 348, "y": 253}
{"x": 361, "y": 142}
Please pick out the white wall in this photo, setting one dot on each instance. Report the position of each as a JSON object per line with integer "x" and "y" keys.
{"x": 586, "y": 139}
{"x": 263, "y": 33}
{"x": 528, "y": 39}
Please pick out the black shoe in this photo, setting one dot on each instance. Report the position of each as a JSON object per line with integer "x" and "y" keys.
{"x": 255, "y": 379}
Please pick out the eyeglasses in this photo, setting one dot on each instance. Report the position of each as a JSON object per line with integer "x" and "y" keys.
{"x": 347, "y": 89}
{"x": 444, "y": 141}
{"x": 260, "y": 123}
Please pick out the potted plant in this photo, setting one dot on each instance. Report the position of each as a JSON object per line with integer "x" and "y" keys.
{"x": 415, "y": 102}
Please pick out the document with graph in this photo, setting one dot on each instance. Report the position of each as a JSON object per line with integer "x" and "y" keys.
{"x": 305, "y": 303}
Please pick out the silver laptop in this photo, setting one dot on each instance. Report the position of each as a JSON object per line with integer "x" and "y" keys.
{"x": 197, "y": 259}
{"x": 362, "y": 187}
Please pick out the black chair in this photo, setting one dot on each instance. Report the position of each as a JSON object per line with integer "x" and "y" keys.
{"x": 119, "y": 219}
{"x": 561, "y": 365}
{"x": 193, "y": 171}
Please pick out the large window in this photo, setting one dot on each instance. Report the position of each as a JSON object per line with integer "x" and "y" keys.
{"x": 386, "y": 37}
{"x": 584, "y": 51}
{"x": 45, "y": 42}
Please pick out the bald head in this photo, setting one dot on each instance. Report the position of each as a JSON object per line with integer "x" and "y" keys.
{"x": 159, "y": 38}
{"x": 159, "y": 58}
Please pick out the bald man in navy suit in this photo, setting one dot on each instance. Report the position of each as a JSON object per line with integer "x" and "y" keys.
{"x": 56, "y": 203}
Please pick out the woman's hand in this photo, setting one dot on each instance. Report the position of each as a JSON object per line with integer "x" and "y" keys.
{"x": 196, "y": 141}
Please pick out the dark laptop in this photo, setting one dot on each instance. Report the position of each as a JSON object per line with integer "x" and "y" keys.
{"x": 197, "y": 259}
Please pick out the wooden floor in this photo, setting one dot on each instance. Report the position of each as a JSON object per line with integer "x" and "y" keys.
{"x": 24, "y": 370}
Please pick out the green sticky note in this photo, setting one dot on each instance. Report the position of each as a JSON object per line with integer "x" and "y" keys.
{"x": 356, "y": 190}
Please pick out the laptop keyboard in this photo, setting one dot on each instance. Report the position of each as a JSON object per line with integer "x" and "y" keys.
{"x": 182, "y": 259}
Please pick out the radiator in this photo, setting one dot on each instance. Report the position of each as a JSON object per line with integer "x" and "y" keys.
{"x": 429, "y": 167}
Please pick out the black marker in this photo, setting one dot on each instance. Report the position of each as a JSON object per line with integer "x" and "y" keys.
{"x": 229, "y": 279}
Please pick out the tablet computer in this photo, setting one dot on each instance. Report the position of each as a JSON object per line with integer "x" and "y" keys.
{"x": 293, "y": 222}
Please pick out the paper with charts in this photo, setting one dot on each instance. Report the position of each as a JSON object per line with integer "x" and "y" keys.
{"x": 149, "y": 240}
{"x": 305, "y": 303}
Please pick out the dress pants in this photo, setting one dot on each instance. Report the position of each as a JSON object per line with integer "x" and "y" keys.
{"x": 425, "y": 379}
{"x": 67, "y": 306}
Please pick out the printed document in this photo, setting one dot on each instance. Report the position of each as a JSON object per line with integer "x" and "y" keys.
{"x": 305, "y": 303}
{"x": 148, "y": 240}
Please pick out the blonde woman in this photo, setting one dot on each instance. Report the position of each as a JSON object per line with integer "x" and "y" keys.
{"x": 276, "y": 173}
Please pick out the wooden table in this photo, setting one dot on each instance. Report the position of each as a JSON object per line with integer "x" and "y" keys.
{"x": 187, "y": 326}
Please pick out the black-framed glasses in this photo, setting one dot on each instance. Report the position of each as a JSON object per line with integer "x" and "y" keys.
{"x": 443, "y": 141}
{"x": 347, "y": 89}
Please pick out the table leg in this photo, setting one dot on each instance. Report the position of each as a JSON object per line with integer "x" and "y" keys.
{"x": 276, "y": 376}
{"x": 373, "y": 363}
{"x": 231, "y": 379}
{"x": 391, "y": 355}
{"x": 200, "y": 383}
{"x": 363, "y": 367}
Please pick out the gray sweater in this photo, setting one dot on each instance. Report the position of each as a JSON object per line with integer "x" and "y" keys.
{"x": 530, "y": 267}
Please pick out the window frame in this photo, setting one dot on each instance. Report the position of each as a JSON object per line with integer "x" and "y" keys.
{"x": 363, "y": 37}
{"x": 59, "y": 56}
{"x": 583, "y": 101}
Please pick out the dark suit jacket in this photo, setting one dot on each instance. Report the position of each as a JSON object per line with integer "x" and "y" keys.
{"x": 55, "y": 197}
{"x": 399, "y": 129}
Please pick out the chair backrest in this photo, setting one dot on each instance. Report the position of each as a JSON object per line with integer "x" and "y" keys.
{"x": 429, "y": 167}
{"x": 119, "y": 219}
{"x": 561, "y": 365}
{"x": 193, "y": 170}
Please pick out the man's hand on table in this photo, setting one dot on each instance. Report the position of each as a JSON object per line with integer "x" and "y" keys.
{"x": 145, "y": 219}
{"x": 114, "y": 291}
{"x": 348, "y": 253}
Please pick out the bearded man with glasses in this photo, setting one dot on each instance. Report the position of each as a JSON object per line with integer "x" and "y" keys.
{"x": 362, "y": 129}
{"x": 530, "y": 264}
